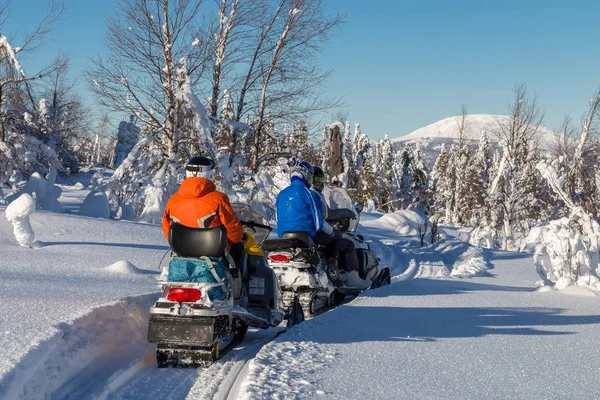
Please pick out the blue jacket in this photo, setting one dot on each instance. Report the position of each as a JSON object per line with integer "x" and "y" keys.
{"x": 298, "y": 209}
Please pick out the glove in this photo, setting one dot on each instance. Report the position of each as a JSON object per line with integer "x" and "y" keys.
{"x": 337, "y": 235}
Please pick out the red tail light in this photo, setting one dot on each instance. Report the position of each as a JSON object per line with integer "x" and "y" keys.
{"x": 184, "y": 295}
{"x": 280, "y": 257}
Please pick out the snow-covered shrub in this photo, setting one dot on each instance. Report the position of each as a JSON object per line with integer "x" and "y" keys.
{"x": 18, "y": 213}
{"x": 484, "y": 236}
{"x": 266, "y": 185}
{"x": 134, "y": 187}
{"x": 95, "y": 205}
{"x": 569, "y": 252}
{"x": 46, "y": 192}
{"x": 571, "y": 243}
{"x": 127, "y": 137}
{"x": 22, "y": 154}
{"x": 156, "y": 195}
{"x": 534, "y": 239}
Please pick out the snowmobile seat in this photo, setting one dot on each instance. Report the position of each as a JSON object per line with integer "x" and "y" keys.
{"x": 302, "y": 237}
{"x": 289, "y": 240}
{"x": 198, "y": 242}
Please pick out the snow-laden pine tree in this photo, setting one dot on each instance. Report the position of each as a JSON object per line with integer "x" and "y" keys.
{"x": 302, "y": 143}
{"x": 224, "y": 134}
{"x": 365, "y": 174}
{"x": 441, "y": 186}
{"x": 462, "y": 205}
{"x": 419, "y": 177}
{"x": 356, "y": 141}
{"x": 22, "y": 147}
{"x": 368, "y": 181}
{"x": 404, "y": 178}
{"x": 385, "y": 175}
{"x": 476, "y": 180}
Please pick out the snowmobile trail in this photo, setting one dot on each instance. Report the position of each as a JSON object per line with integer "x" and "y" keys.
{"x": 142, "y": 379}
{"x": 228, "y": 373}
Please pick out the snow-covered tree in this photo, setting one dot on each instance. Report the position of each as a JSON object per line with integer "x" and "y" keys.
{"x": 572, "y": 243}
{"x": 366, "y": 177}
{"x": 511, "y": 190}
{"x": 385, "y": 174}
{"x": 476, "y": 182}
{"x": 419, "y": 177}
{"x": 404, "y": 177}
{"x": 127, "y": 137}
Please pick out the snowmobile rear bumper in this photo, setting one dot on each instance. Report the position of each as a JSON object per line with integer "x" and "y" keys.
{"x": 181, "y": 330}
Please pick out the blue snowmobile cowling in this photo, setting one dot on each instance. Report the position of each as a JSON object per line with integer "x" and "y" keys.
{"x": 183, "y": 269}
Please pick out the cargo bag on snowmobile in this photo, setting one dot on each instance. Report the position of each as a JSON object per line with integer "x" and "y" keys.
{"x": 202, "y": 270}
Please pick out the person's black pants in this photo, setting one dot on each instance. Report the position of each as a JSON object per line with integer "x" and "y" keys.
{"x": 340, "y": 248}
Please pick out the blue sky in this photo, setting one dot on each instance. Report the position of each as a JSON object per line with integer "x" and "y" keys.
{"x": 402, "y": 65}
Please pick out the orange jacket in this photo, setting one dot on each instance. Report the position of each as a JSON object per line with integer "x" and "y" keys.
{"x": 197, "y": 204}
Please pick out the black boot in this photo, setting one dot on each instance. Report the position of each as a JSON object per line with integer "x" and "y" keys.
{"x": 333, "y": 272}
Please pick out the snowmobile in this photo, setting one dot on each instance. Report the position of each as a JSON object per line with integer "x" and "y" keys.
{"x": 208, "y": 302}
{"x": 344, "y": 215}
{"x": 302, "y": 268}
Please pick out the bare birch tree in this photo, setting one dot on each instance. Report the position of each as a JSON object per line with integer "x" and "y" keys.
{"x": 145, "y": 41}
{"x": 512, "y": 186}
{"x": 578, "y": 173}
{"x": 281, "y": 78}
{"x": 12, "y": 74}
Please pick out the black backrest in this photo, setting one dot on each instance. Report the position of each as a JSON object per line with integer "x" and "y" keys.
{"x": 340, "y": 213}
{"x": 197, "y": 242}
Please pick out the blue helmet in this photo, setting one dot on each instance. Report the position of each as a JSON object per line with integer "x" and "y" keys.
{"x": 302, "y": 171}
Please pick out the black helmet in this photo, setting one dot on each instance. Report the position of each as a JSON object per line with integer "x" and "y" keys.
{"x": 200, "y": 166}
{"x": 318, "y": 178}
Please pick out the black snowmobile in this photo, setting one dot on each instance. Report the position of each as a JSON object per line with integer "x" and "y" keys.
{"x": 208, "y": 302}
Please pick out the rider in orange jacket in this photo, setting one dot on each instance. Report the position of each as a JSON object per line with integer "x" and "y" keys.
{"x": 198, "y": 204}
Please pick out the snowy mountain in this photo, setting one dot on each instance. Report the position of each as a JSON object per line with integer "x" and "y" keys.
{"x": 431, "y": 137}
{"x": 476, "y": 123}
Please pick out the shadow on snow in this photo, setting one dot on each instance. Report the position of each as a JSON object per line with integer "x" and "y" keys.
{"x": 130, "y": 245}
{"x": 424, "y": 324}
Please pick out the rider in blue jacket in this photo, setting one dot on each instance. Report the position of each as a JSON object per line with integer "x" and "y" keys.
{"x": 300, "y": 209}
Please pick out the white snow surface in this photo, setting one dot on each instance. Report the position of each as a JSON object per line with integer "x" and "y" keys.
{"x": 457, "y": 322}
{"x": 95, "y": 205}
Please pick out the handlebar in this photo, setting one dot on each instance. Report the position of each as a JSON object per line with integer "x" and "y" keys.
{"x": 252, "y": 225}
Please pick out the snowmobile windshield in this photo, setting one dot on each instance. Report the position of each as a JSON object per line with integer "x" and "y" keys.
{"x": 250, "y": 219}
{"x": 337, "y": 198}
